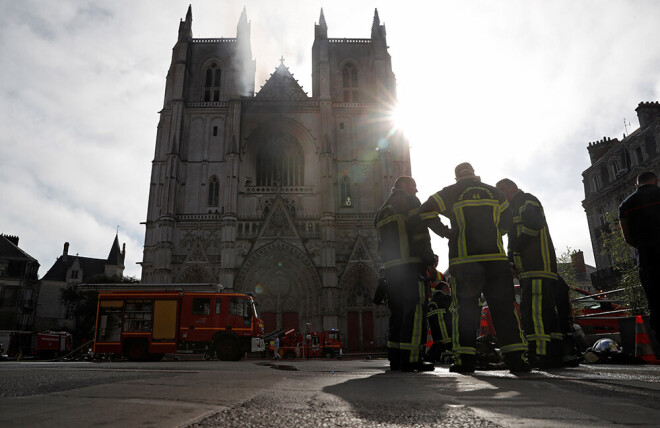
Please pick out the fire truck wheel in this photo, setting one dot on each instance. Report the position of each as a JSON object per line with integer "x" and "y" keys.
{"x": 289, "y": 355}
{"x": 227, "y": 349}
{"x": 327, "y": 354}
{"x": 136, "y": 350}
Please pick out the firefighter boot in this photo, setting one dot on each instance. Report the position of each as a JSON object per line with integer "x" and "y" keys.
{"x": 517, "y": 362}
{"x": 463, "y": 363}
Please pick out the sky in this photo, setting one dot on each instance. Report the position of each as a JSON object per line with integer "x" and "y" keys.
{"x": 517, "y": 88}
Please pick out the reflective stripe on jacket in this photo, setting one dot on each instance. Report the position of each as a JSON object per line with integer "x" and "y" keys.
{"x": 402, "y": 237}
{"x": 530, "y": 245}
{"x": 479, "y": 215}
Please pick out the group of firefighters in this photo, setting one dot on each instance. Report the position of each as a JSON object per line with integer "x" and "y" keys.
{"x": 479, "y": 216}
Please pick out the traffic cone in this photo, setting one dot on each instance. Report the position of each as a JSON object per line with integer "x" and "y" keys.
{"x": 643, "y": 347}
{"x": 483, "y": 327}
{"x": 429, "y": 339}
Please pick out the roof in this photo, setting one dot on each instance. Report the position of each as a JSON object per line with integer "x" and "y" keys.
{"x": 281, "y": 85}
{"x": 89, "y": 266}
{"x": 9, "y": 251}
{"x": 115, "y": 257}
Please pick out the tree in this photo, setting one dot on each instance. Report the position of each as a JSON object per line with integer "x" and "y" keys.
{"x": 566, "y": 268}
{"x": 624, "y": 264}
{"x": 83, "y": 304}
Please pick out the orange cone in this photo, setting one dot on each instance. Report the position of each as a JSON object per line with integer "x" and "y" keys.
{"x": 643, "y": 347}
{"x": 429, "y": 339}
{"x": 483, "y": 327}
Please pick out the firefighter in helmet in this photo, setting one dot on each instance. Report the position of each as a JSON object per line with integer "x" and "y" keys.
{"x": 479, "y": 215}
{"x": 533, "y": 255}
{"x": 404, "y": 245}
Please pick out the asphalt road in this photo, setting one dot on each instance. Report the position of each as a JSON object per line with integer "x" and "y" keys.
{"x": 320, "y": 393}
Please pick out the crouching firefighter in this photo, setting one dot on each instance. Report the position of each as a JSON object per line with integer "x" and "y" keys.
{"x": 404, "y": 245}
{"x": 438, "y": 315}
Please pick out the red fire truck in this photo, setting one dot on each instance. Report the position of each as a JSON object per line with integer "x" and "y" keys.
{"x": 44, "y": 345}
{"x": 326, "y": 344}
{"x": 147, "y": 323}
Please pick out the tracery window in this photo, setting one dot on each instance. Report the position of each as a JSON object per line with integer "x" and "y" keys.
{"x": 280, "y": 162}
{"x": 214, "y": 191}
{"x": 212, "y": 83}
{"x": 350, "y": 84}
{"x": 346, "y": 200}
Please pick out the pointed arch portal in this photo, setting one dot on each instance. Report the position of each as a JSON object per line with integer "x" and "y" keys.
{"x": 357, "y": 287}
{"x": 285, "y": 284}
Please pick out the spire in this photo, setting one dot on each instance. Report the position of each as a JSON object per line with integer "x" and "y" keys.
{"x": 115, "y": 256}
{"x": 243, "y": 27}
{"x": 322, "y": 23}
{"x": 243, "y": 18}
{"x": 321, "y": 30}
{"x": 185, "y": 27}
{"x": 377, "y": 30}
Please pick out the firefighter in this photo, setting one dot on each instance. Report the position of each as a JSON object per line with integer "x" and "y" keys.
{"x": 533, "y": 255}
{"x": 479, "y": 215}
{"x": 404, "y": 245}
{"x": 438, "y": 316}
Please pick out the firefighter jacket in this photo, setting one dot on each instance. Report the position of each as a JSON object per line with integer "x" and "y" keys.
{"x": 530, "y": 245}
{"x": 479, "y": 216}
{"x": 402, "y": 237}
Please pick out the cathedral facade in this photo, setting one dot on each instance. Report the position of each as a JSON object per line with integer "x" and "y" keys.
{"x": 275, "y": 192}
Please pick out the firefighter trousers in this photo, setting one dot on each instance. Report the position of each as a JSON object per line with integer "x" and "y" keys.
{"x": 495, "y": 281}
{"x": 439, "y": 320}
{"x": 539, "y": 316}
{"x": 407, "y": 303}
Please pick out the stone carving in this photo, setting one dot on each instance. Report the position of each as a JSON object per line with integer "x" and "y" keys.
{"x": 195, "y": 274}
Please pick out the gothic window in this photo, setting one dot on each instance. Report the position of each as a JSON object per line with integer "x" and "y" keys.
{"x": 280, "y": 162}
{"x": 291, "y": 205}
{"x": 214, "y": 191}
{"x": 350, "y": 84}
{"x": 346, "y": 200}
{"x": 212, "y": 83}
{"x": 595, "y": 183}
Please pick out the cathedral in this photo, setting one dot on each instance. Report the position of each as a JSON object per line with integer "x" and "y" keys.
{"x": 274, "y": 192}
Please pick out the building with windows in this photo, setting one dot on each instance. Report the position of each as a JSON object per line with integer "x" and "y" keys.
{"x": 66, "y": 273}
{"x": 611, "y": 177}
{"x": 275, "y": 192}
{"x": 18, "y": 286}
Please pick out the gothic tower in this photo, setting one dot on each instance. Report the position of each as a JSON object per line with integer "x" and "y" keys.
{"x": 275, "y": 192}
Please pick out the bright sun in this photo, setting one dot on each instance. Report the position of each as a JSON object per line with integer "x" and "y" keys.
{"x": 401, "y": 118}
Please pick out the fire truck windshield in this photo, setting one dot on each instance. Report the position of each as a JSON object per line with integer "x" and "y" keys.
{"x": 240, "y": 307}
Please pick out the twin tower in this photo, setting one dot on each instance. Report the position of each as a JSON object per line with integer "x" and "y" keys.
{"x": 275, "y": 192}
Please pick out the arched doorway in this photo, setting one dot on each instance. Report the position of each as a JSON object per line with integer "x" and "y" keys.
{"x": 358, "y": 285}
{"x": 285, "y": 284}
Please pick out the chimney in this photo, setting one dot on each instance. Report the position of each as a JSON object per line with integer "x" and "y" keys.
{"x": 578, "y": 262}
{"x": 647, "y": 113}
